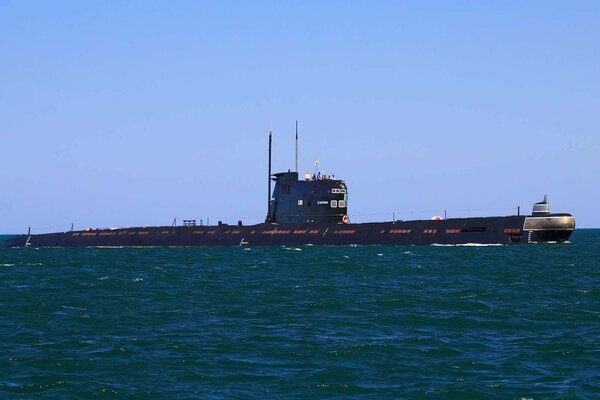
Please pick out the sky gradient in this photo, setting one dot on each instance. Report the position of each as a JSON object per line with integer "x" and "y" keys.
{"x": 119, "y": 114}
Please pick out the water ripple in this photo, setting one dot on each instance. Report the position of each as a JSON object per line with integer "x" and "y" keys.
{"x": 311, "y": 322}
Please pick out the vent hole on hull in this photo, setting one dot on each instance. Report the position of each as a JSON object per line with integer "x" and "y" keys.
{"x": 473, "y": 229}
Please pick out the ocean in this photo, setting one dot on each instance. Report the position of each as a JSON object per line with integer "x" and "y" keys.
{"x": 372, "y": 322}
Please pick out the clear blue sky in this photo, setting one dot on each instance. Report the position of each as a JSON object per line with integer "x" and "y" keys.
{"x": 118, "y": 113}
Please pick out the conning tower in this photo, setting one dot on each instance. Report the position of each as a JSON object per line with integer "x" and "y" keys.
{"x": 322, "y": 200}
{"x": 318, "y": 198}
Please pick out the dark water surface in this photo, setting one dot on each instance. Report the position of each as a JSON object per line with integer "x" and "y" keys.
{"x": 312, "y": 322}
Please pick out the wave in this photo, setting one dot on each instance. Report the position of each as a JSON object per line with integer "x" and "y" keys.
{"x": 468, "y": 245}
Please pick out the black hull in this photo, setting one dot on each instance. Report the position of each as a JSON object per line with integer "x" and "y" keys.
{"x": 457, "y": 231}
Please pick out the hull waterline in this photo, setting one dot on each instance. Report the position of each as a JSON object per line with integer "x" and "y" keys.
{"x": 457, "y": 231}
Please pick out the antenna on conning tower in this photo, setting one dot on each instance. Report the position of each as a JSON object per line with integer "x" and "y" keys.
{"x": 296, "y": 165}
{"x": 269, "y": 178}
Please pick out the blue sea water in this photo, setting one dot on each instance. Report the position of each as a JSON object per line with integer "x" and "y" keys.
{"x": 373, "y": 322}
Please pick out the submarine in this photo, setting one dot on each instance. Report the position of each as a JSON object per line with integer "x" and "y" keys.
{"x": 314, "y": 211}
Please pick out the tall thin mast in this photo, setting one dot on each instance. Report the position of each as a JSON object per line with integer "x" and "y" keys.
{"x": 296, "y": 146}
{"x": 269, "y": 178}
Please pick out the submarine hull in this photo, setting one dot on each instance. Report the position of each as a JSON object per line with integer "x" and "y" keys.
{"x": 456, "y": 231}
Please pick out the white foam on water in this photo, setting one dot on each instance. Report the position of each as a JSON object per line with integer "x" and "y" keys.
{"x": 468, "y": 245}
{"x": 7, "y": 265}
{"x": 380, "y": 254}
{"x": 73, "y": 308}
{"x": 247, "y": 249}
{"x": 138, "y": 279}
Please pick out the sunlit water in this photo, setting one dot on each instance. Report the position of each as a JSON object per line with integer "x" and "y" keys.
{"x": 302, "y": 322}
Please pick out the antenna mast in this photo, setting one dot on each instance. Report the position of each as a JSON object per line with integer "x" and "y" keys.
{"x": 296, "y": 145}
{"x": 269, "y": 178}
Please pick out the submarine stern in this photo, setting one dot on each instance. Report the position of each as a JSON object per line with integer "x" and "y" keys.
{"x": 549, "y": 228}
{"x": 542, "y": 226}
